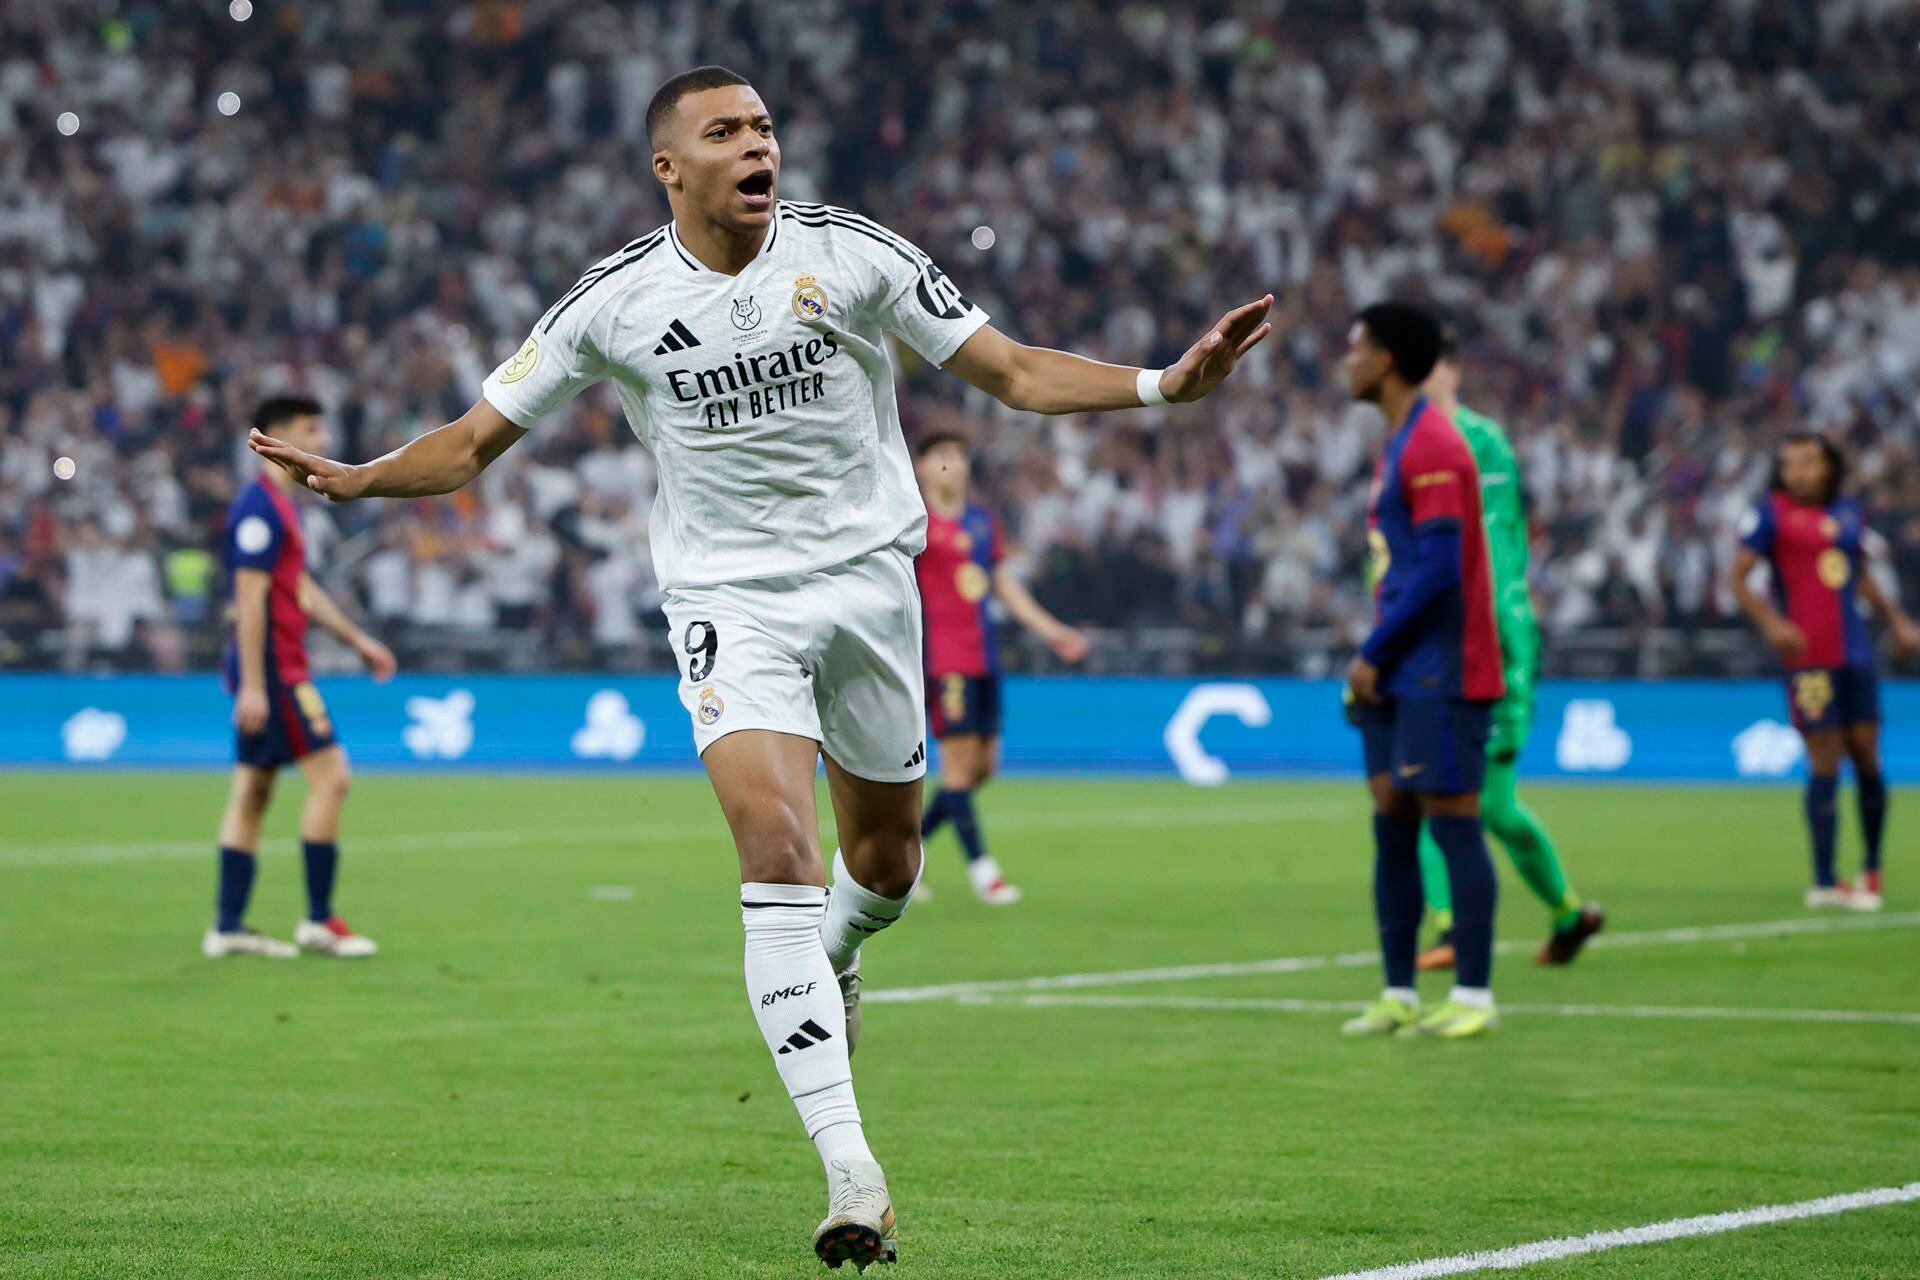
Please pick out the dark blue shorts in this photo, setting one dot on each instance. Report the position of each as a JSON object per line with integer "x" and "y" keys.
{"x": 298, "y": 725}
{"x": 1833, "y": 697}
{"x": 1433, "y": 745}
{"x": 964, "y": 704}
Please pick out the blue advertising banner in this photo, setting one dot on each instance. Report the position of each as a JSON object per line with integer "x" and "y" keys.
{"x": 1205, "y": 731}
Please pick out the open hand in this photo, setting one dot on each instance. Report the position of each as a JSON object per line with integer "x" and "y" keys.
{"x": 1785, "y": 638}
{"x": 1068, "y": 644}
{"x": 1363, "y": 678}
{"x": 336, "y": 481}
{"x": 379, "y": 659}
{"x": 1906, "y": 637}
{"x": 250, "y": 710}
{"x": 1211, "y": 359}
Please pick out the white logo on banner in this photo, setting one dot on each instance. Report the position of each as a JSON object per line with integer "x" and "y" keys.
{"x": 93, "y": 734}
{"x": 1244, "y": 702}
{"x": 442, "y": 728}
{"x": 612, "y": 731}
{"x": 1590, "y": 740}
{"x": 1767, "y": 749}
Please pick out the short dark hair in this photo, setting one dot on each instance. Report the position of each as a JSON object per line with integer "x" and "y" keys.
{"x": 933, "y": 439}
{"x": 278, "y": 409}
{"x": 1409, "y": 332}
{"x": 668, "y": 95}
{"x": 1836, "y": 463}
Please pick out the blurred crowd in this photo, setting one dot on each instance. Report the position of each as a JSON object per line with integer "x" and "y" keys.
{"x": 1668, "y": 231}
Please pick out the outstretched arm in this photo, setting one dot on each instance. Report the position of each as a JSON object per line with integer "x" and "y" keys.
{"x": 321, "y": 608}
{"x": 1040, "y": 380}
{"x": 1065, "y": 641}
{"x": 438, "y": 462}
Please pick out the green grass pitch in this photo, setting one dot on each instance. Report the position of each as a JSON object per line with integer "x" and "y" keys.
{"x": 551, "y": 1071}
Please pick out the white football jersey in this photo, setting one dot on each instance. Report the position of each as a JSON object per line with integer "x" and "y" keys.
{"x": 766, "y": 398}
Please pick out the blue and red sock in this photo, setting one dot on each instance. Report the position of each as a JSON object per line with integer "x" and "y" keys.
{"x": 1476, "y": 893}
{"x": 1822, "y": 804}
{"x": 1397, "y": 899}
{"x": 322, "y": 858}
{"x": 236, "y": 887}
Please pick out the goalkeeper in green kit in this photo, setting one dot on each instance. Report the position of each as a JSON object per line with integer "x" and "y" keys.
{"x": 1507, "y": 820}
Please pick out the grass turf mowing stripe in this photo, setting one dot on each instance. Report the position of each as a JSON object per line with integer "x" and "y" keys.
{"x": 1682, "y": 936}
{"x": 1525, "y": 1255}
{"x": 1687, "y": 1013}
{"x": 81, "y": 855}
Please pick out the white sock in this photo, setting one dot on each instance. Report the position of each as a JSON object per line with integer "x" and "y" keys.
{"x": 855, "y": 913}
{"x": 1472, "y": 997}
{"x": 797, "y": 1004}
{"x": 1406, "y": 995}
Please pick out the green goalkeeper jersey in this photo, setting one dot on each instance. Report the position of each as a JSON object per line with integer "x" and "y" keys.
{"x": 1506, "y": 520}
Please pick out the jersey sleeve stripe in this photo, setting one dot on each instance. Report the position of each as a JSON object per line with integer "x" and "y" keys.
{"x": 626, "y": 258}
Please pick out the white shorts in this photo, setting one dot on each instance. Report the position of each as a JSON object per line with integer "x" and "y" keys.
{"x": 833, "y": 656}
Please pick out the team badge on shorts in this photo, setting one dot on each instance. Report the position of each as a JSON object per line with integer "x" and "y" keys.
{"x": 809, "y": 299}
{"x": 522, "y": 363}
{"x": 711, "y": 707}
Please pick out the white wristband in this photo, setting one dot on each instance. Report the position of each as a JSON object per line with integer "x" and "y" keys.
{"x": 1147, "y": 386}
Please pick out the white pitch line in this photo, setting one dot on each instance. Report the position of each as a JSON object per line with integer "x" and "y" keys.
{"x": 1687, "y": 1013}
{"x": 1525, "y": 1255}
{"x": 1363, "y": 959}
{"x": 81, "y": 855}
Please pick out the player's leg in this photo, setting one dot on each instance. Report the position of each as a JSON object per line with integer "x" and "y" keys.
{"x": 752, "y": 686}
{"x": 966, "y": 761}
{"x": 248, "y": 795}
{"x": 1397, "y": 899}
{"x": 1530, "y": 848}
{"x": 1439, "y": 896}
{"x": 1440, "y": 752}
{"x": 328, "y": 778}
{"x": 1863, "y": 747}
{"x": 1825, "y": 747}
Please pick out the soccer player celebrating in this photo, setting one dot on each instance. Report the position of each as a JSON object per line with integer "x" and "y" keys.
{"x": 962, "y": 566}
{"x": 278, "y": 716}
{"x": 746, "y": 340}
{"x": 1511, "y": 822}
{"x": 1424, "y": 683}
{"x": 1812, "y": 537}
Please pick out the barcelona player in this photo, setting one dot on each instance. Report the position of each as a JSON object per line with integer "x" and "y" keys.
{"x": 961, "y": 567}
{"x": 1811, "y": 535}
{"x": 1425, "y": 681}
{"x": 277, "y": 713}
{"x": 1528, "y": 844}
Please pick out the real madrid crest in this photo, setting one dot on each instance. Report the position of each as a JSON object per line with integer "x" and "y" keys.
{"x": 711, "y": 706}
{"x": 809, "y": 299}
{"x": 522, "y": 363}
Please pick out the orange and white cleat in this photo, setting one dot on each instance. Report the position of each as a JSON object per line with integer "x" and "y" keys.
{"x": 333, "y": 937}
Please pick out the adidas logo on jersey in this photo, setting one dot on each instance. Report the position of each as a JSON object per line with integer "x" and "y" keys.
{"x": 919, "y": 757}
{"x": 810, "y": 1034}
{"x": 677, "y": 338}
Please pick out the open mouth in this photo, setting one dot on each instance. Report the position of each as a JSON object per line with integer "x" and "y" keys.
{"x": 757, "y": 187}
